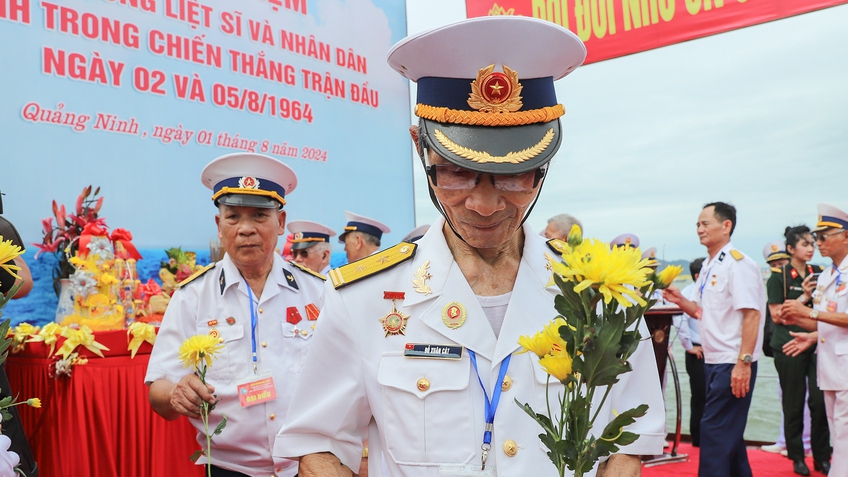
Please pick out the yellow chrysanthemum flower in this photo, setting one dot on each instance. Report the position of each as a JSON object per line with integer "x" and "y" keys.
{"x": 539, "y": 344}
{"x": 667, "y": 276}
{"x": 107, "y": 279}
{"x": 198, "y": 348}
{"x": 34, "y": 402}
{"x": 9, "y": 252}
{"x": 616, "y": 273}
{"x": 558, "y": 366}
{"x": 575, "y": 236}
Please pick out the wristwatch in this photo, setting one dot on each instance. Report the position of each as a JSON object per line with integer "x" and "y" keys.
{"x": 814, "y": 315}
{"x": 746, "y": 358}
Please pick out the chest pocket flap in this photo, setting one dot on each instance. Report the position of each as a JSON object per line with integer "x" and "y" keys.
{"x": 422, "y": 377}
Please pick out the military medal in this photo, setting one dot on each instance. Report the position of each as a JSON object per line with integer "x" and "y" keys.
{"x": 211, "y": 322}
{"x": 394, "y": 323}
{"x": 453, "y": 315}
{"x": 292, "y": 315}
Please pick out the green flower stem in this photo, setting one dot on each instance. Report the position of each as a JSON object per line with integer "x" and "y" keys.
{"x": 204, "y": 416}
{"x": 598, "y": 410}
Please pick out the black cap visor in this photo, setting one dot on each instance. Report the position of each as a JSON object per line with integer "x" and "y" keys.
{"x": 494, "y": 149}
{"x": 249, "y": 200}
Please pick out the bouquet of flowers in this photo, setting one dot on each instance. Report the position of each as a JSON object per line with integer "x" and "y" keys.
{"x": 62, "y": 239}
{"x": 180, "y": 265}
{"x": 604, "y": 293}
{"x": 198, "y": 351}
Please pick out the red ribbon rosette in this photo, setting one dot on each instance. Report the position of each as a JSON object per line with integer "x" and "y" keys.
{"x": 124, "y": 237}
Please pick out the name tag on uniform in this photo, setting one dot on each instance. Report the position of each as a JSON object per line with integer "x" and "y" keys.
{"x": 465, "y": 470}
{"x": 256, "y": 389}
{"x": 423, "y": 350}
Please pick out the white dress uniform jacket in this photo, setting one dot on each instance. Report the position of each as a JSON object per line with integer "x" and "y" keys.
{"x": 221, "y": 295}
{"x": 724, "y": 288}
{"x": 832, "y": 348}
{"x": 368, "y": 389}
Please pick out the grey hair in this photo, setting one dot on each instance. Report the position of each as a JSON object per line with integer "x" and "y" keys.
{"x": 563, "y": 222}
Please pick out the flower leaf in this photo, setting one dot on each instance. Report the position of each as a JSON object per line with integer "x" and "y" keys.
{"x": 601, "y": 365}
{"x": 196, "y": 455}
{"x": 221, "y": 425}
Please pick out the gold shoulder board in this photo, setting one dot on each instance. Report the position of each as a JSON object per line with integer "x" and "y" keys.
{"x": 196, "y": 274}
{"x": 308, "y": 270}
{"x": 372, "y": 264}
{"x": 737, "y": 254}
{"x": 558, "y": 246}
{"x": 775, "y": 270}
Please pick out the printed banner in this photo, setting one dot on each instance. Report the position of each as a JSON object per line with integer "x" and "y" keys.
{"x": 136, "y": 96}
{"x": 613, "y": 28}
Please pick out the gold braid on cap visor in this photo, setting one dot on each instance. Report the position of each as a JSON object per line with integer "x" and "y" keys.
{"x": 481, "y": 118}
{"x": 482, "y": 157}
{"x": 238, "y": 190}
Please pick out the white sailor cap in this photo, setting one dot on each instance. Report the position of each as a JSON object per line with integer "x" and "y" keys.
{"x": 307, "y": 234}
{"x": 249, "y": 180}
{"x": 360, "y": 223}
{"x": 775, "y": 250}
{"x": 625, "y": 240}
{"x": 831, "y": 217}
{"x": 416, "y": 233}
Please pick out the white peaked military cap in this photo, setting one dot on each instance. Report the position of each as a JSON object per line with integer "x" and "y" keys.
{"x": 307, "y": 233}
{"x": 775, "y": 250}
{"x": 831, "y": 217}
{"x": 486, "y": 94}
{"x": 249, "y": 180}
{"x": 360, "y": 223}
{"x": 416, "y": 233}
{"x": 650, "y": 253}
{"x": 625, "y": 240}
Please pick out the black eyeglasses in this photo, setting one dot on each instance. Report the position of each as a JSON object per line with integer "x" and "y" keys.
{"x": 451, "y": 177}
{"x": 822, "y": 237}
{"x": 304, "y": 253}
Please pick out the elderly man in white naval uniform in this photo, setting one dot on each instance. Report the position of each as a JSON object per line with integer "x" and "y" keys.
{"x": 262, "y": 309}
{"x": 829, "y": 318}
{"x": 393, "y": 345}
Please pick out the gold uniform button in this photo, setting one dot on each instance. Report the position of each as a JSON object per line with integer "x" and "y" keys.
{"x": 304, "y": 332}
{"x": 423, "y": 384}
{"x": 506, "y": 384}
{"x": 273, "y": 416}
{"x": 220, "y": 340}
{"x": 260, "y": 310}
{"x": 822, "y": 340}
{"x": 510, "y": 448}
{"x": 264, "y": 344}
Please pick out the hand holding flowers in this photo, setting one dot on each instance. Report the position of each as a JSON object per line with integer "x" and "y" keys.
{"x": 198, "y": 351}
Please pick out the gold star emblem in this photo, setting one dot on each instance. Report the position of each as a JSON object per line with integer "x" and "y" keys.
{"x": 496, "y": 88}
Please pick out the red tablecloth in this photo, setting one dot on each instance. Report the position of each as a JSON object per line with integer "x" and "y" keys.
{"x": 98, "y": 422}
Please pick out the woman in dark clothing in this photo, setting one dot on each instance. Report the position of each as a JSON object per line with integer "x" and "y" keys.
{"x": 798, "y": 373}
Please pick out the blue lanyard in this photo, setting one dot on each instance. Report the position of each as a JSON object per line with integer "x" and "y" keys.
{"x": 253, "y": 321}
{"x": 491, "y": 406}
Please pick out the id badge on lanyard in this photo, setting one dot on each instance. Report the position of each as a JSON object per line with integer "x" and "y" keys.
{"x": 256, "y": 389}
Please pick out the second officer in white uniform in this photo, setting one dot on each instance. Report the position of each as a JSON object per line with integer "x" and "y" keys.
{"x": 262, "y": 309}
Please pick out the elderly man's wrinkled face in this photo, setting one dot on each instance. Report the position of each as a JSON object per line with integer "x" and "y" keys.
{"x": 485, "y": 215}
{"x": 249, "y": 234}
